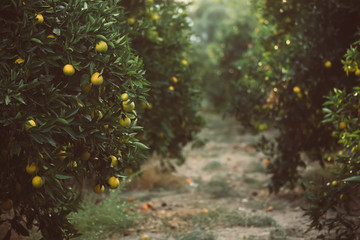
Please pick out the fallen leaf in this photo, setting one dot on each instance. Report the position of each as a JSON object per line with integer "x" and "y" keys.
{"x": 270, "y": 209}
{"x": 131, "y": 199}
{"x": 266, "y": 161}
{"x": 145, "y": 237}
{"x": 249, "y": 149}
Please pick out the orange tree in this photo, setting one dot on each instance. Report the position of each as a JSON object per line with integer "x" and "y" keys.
{"x": 222, "y": 30}
{"x": 160, "y": 33}
{"x": 64, "y": 67}
{"x": 339, "y": 198}
{"x": 298, "y": 62}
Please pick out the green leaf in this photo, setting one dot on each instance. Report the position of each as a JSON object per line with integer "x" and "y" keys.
{"x": 327, "y": 110}
{"x": 70, "y": 132}
{"x": 37, "y": 41}
{"x": 7, "y": 100}
{"x": 63, "y": 121}
{"x": 141, "y": 145}
{"x": 61, "y": 176}
{"x": 102, "y": 37}
{"x": 57, "y": 31}
{"x": 352, "y": 179}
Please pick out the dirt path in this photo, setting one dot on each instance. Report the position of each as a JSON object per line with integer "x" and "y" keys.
{"x": 219, "y": 193}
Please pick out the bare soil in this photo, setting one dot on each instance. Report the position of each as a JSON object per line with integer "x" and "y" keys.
{"x": 219, "y": 193}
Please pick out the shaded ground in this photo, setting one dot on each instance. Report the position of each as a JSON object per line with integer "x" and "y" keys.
{"x": 219, "y": 193}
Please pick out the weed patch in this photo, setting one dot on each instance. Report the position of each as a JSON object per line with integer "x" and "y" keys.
{"x": 97, "y": 221}
{"x": 213, "y": 165}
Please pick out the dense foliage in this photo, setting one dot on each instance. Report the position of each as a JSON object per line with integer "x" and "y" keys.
{"x": 160, "y": 33}
{"x": 338, "y": 199}
{"x": 293, "y": 63}
{"x": 64, "y": 66}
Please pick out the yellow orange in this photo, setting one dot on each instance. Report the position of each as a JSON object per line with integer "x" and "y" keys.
{"x": 29, "y": 124}
{"x": 69, "y": 70}
{"x": 296, "y": 89}
{"x": 128, "y": 107}
{"x": 39, "y": 18}
{"x": 125, "y": 122}
{"x": 114, "y": 182}
{"x": 101, "y": 47}
{"x": 96, "y": 79}
{"x": 113, "y": 160}
{"x": 37, "y": 182}
{"x": 32, "y": 168}
{"x": 342, "y": 125}
{"x": 328, "y": 64}
{"x": 124, "y": 97}
{"x": 99, "y": 188}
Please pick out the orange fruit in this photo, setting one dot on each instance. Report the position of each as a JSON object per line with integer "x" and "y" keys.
{"x": 99, "y": 189}
{"x": 30, "y": 124}
{"x": 37, "y": 182}
{"x": 174, "y": 79}
{"x": 125, "y": 122}
{"x": 296, "y": 89}
{"x": 328, "y": 64}
{"x": 96, "y": 79}
{"x": 342, "y": 125}
{"x": 39, "y": 18}
{"x": 113, "y": 160}
{"x": 85, "y": 156}
{"x": 128, "y": 107}
{"x": 114, "y": 182}
{"x": 124, "y": 97}
{"x": 32, "y": 168}
{"x": 69, "y": 70}
{"x": 101, "y": 47}
{"x": 131, "y": 21}
{"x": 357, "y": 72}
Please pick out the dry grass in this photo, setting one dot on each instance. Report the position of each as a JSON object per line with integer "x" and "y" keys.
{"x": 153, "y": 178}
